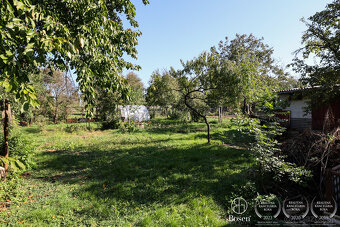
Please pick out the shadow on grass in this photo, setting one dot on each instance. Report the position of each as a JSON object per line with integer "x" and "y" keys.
{"x": 152, "y": 174}
{"x": 176, "y": 128}
{"x": 234, "y": 137}
{"x": 32, "y": 129}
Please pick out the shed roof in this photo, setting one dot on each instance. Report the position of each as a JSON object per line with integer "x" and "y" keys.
{"x": 293, "y": 90}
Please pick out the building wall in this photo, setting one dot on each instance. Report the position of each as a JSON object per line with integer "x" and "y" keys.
{"x": 298, "y": 118}
{"x": 326, "y": 115}
{"x": 297, "y": 109}
{"x": 300, "y": 123}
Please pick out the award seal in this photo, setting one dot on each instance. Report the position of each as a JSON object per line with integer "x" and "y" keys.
{"x": 323, "y": 208}
{"x": 268, "y": 208}
{"x": 295, "y": 208}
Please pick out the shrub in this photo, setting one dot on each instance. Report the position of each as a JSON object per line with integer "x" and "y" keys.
{"x": 112, "y": 124}
{"x": 266, "y": 149}
{"x": 129, "y": 126}
{"x": 20, "y": 148}
{"x": 75, "y": 128}
{"x": 21, "y": 152}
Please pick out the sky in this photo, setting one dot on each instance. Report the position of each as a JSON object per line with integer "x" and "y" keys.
{"x": 182, "y": 29}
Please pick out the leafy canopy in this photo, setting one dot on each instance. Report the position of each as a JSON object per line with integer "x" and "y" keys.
{"x": 163, "y": 89}
{"x": 88, "y": 36}
{"x": 321, "y": 41}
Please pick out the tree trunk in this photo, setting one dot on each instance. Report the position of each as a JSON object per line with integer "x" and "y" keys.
{"x": 56, "y": 115}
{"x": 220, "y": 114}
{"x": 244, "y": 109}
{"x": 208, "y": 128}
{"x": 6, "y": 132}
{"x": 201, "y": 115}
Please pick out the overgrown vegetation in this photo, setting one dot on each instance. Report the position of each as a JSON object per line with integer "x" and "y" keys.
{"x": 160, "y": 172}
{"x": 20, "y": 160}
{"x": 164, "y": 174}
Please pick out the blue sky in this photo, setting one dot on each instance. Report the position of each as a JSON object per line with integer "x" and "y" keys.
{"x": 182, "y": 29}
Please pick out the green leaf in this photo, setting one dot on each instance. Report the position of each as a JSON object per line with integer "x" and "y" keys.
{"x": 20, "y": 165}
{"x": 26, "y": 106}
{"x": 19, "y": 4}
{"x": 3, "y": 57}
{"x": 7, "y": 86}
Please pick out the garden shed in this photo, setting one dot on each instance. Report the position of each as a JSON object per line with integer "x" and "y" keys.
{"x": 316, "y": 118}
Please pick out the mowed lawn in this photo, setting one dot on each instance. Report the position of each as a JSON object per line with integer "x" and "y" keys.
{"x": 162, "y": 175}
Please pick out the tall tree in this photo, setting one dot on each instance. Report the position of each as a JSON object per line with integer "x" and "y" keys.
{"x": 163, "y": 90}
{"x": 258, "y": 72}
{"x": 201, "y": 79}
{"x": 85, "y": 35}
{"x": 62, "y": 92}
{"x": 136, "y": 89}
{"x": 321, "y": 41}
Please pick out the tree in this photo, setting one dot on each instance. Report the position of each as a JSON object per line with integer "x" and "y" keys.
{"x": 258, "y": 74}
{"x": 203, "y": 79}
{"x": 107, "y": 101}
{"x": 163, "y": 90}
{"x": 62, "y": 91}
{"x": 321, "y": 41}
{"x": 87, "y": 36}
{"x": 136, "y": 85}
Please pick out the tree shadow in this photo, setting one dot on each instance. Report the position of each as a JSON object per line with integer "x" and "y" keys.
{"x": 31, "y": 130}
{"x": 234, "y": 137}
{"x": 149, "y": 174}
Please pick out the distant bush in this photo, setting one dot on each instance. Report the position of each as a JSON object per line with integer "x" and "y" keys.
{"x": 181, "y": 115}
{"x": 112, "y": 124}
{"x": 75, "y": 128}
{"x": 128, "y": 126}
{"x": 214, "y": 122}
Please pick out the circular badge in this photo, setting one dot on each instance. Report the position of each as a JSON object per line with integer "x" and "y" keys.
{"x": 267, "y": 208}
{"x": 295, "y": 208}
{"x": 322, "y": 208}
{"x": 239, "y": 205}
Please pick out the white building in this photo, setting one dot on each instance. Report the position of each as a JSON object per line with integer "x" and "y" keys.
{"x": 297, "y": 105}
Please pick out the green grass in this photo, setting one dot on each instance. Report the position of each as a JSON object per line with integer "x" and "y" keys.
{"x": 162, "y": 175}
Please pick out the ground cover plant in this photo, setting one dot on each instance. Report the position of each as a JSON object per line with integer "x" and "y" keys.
{"x": 164, "y": 174}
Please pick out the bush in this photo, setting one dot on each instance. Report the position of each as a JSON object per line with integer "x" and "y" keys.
{"x": 75, "y": 128}
{"x": 129, "y": 126}
{"x": 266, "y": 149}
{"x": 20, "y": 160}
{"x": 112, "y": 124}
{"x": 20, "y": 148}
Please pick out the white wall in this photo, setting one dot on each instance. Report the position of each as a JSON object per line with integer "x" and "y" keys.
{"x": 297, "y": 109}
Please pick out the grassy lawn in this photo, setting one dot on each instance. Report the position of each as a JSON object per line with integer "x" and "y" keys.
{"x": 163, "y": 175}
